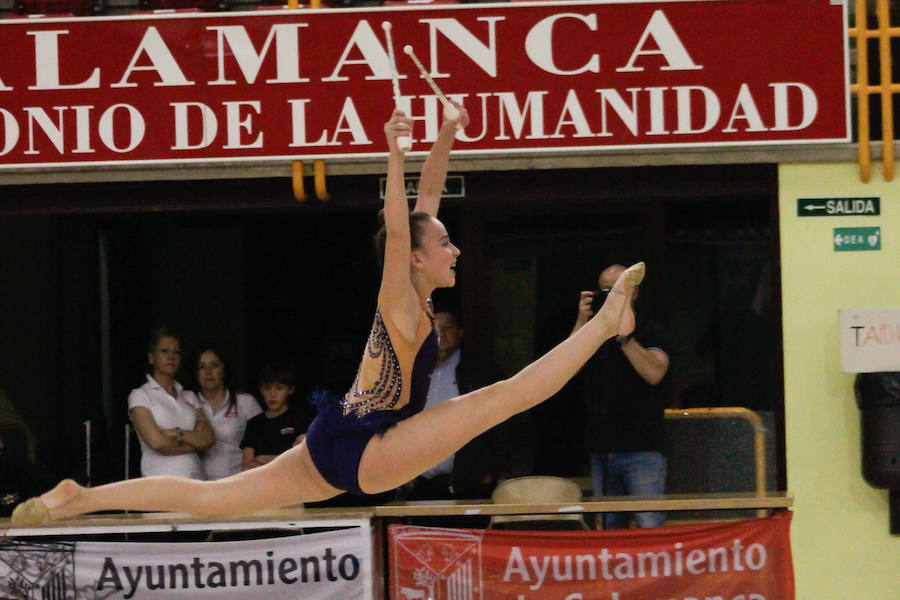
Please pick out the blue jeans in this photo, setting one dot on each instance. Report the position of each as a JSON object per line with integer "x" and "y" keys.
{"x": 629, "y": 474}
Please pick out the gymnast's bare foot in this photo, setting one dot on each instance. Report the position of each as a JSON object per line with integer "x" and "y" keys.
{"x": 625, "y": 284}
{"x": 55, "y": 504}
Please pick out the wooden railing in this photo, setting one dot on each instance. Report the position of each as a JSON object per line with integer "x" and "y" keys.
{"x": 331, "y": 517}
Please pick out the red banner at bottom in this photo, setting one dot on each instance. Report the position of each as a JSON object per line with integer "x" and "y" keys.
{"x": 745, "y": 560}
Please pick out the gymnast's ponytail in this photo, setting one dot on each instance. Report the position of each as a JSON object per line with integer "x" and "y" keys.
{"x": 416, "y": 230}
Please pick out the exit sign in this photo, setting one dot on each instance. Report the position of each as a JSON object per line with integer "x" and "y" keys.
{"x": 838, "y": 207}
{"x": 847, "y": 239}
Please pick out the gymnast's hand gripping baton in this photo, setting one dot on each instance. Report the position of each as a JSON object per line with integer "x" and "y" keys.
{"x": 404, "y": 142}
{"x": 450, "y": 111}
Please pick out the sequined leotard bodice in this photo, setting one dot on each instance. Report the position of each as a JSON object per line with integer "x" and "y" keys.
{"x": 391, "y": 385}
{"x": 379, "y": 381}
{"x": 392, "y": 380}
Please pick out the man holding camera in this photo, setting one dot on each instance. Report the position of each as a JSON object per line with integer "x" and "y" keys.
{"x": 626, "y": 408}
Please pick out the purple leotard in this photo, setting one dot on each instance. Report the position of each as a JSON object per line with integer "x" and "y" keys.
{"x": 376, "y": 402}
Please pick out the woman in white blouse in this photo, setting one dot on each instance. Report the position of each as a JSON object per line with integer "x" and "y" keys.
{"x": 171, "y": 427}
{"x": 227, "y": 412}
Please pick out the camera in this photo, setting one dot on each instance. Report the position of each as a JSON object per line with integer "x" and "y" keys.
{"x": 598, "y": 298}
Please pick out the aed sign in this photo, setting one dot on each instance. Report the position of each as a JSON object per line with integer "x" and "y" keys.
{"x": 870, "y": 340}
{"x": 848, "y": 239}
{"x": 838, "y": 207}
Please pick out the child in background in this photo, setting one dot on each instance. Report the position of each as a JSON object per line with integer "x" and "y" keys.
{"x": 281, "y": 426}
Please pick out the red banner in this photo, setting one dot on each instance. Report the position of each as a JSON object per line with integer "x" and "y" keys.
{"x": 535, "y": 77}
{"x": 747, "y": 560}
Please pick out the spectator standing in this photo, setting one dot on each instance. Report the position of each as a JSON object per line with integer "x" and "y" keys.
{"x": 281, "y": 426}
{"x": 170, "y": 426}
{"x": 499, "y": 453}
{"x": 227, "y": 411}
{"x": 626, "y": 408}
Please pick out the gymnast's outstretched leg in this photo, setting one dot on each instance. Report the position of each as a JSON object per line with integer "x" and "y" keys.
{"x": 416, "y": 444}
{"x": 290, "y": 479}
{"x": 400, "y": 454}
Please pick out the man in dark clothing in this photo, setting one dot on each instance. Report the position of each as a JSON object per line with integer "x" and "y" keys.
{"x": 500, "y": 453}
{"x": 626, "y": 409}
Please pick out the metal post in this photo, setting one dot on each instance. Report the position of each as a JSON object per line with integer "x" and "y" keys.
{"x": 87, "y": 451}
{"x": 127, "y": 449}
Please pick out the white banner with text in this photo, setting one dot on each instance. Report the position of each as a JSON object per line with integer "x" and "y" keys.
{"x": 322, "y": 566}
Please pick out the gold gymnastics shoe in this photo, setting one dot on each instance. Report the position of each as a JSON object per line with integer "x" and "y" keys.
{"x": 31, "y": 513}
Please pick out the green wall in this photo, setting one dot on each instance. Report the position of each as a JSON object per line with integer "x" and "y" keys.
{"x": 841, "y": 540}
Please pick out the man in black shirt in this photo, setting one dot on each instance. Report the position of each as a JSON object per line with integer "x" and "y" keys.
{"x": 626, "y": 409}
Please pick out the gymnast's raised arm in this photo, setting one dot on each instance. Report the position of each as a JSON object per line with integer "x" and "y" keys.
{"x": 434, "y": 171}
{"x": 397, "y": 295}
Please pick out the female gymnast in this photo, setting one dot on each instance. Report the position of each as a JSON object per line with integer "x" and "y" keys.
{"x": 377, "y": 437}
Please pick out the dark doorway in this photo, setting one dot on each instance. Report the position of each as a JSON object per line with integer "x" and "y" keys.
{"x": 245, "y": 266}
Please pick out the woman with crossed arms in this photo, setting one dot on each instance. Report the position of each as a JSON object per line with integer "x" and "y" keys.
{"x": 170, "y": 425}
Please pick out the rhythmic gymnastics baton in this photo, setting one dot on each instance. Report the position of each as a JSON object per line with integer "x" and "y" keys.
{"x": 404, "y": 142}
{"x": 450, "y": 111}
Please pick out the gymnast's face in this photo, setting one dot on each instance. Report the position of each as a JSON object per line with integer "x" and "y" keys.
{"x": 435, "y": 258}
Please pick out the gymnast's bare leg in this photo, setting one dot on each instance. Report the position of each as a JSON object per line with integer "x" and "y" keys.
{"x": 403, "y": 452}
{"x": 288, "y": 480}
{"x": 416, "y": 444}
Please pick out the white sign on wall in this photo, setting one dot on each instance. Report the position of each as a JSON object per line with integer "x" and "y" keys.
{"x": 870, "y": 340}
{"x": 333, "y": 565}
